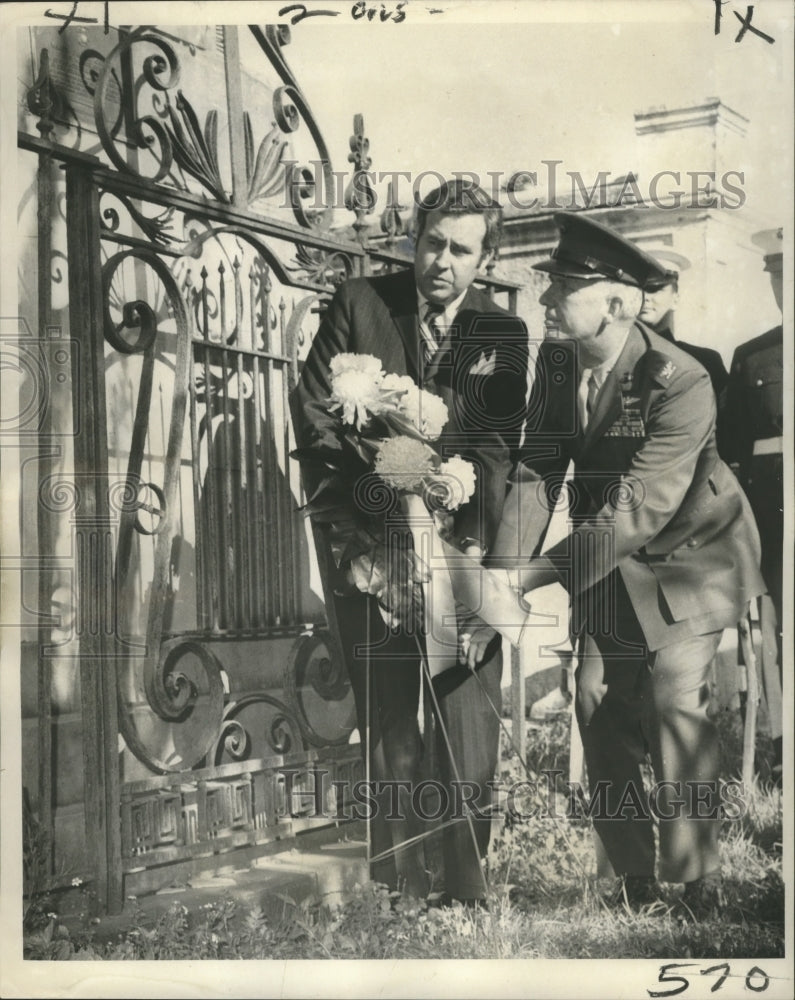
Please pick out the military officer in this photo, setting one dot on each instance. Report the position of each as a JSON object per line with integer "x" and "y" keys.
{"x": 751, "y": 423}
{"x": 662, "y": 553}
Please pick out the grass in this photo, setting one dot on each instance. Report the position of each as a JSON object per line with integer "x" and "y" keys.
{"x": 544, "y": 901}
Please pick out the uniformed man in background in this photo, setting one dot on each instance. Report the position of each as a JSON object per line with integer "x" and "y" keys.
{"x": 660, "y": 299}
{"x": 751, "y": 426}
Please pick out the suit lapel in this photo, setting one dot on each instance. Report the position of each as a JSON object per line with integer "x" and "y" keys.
{"x": 609, "y": 404}
{"x": 403, "y": 309}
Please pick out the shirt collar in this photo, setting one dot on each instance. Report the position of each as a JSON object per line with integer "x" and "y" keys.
{"x": 447, "y": 315}
{"x": 602, "y": 370}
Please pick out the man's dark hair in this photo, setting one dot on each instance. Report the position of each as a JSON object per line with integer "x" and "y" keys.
{"x": 462, "y": 197}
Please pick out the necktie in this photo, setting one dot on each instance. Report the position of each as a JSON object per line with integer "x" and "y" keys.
{"x": 593, "y": 392}
{"x": 435, "y": 332}
{"x": 589, "y": 390}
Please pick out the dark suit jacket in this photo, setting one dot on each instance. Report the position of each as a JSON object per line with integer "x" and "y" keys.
{"x": 486, "y": 411}
{"x": 652, "y": 498}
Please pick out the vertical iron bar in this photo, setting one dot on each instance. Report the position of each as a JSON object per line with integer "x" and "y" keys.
{"x": 200, "y": 572}
{"x": 250, "y": 506}
{"x": 209, "y": 535}
{"x": 44, "y": 520}
{"x": 285, "y": 497}
{"x": 234, "y": 104}
{"x": 258, "y": 582}
{"x": 270, "y": 477}
{"x": 286, "y": 533}
{"x": 266, "y": 308}
{"x": 93, "y": 531}
{"x": 244, "y": 567}
{"x": 260, "y": 496}
{"x": 222, "y": 300}
{"x": 227, "y": 531}
{"x": 289, "y": 379}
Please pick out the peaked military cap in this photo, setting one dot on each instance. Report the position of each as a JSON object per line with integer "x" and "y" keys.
{"x": 587, "y": 249}
{"x": 771, "y": 243}
{"x": 671, "y": 263}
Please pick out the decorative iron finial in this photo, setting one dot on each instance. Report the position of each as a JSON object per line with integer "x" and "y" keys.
{"x": 360, "y": 195}
{"x": 41, "y": 97}
{"x": 391, "y": 222}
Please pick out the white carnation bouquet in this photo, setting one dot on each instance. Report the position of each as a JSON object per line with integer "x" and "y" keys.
{"x": 386, "y": 428}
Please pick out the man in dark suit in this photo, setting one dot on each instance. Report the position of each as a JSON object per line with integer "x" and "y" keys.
{"x": 662, "y": 552}
{"x": 751, "y": 423}
{"x": 431, "y": 324}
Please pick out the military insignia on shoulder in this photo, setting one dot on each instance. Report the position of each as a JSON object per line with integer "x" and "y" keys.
{"x": 667, "y": 370}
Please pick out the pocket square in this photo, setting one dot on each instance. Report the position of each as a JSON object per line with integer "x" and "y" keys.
{"x": 485, "y": 365}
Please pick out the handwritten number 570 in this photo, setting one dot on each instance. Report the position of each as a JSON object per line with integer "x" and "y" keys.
{"x": 756, "y": 980}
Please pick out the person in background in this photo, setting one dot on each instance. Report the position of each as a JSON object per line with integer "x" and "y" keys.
{"x": 660, "y": 299}
{"x": 751, "y": 424}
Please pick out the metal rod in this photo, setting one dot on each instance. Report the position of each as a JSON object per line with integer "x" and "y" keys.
{"x": 243, "y": 574}
{"x": 228, "y": 574}
{"x": 260, "y": 516}
{"x": 44, "y": 521}
{"x": 208, "y": 537}
{"x": 200, "y": 575}
{"x": 92, "y": 527}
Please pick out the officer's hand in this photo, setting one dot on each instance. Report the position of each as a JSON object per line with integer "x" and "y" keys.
{"x": 445, "y": 523}
{"x": 473, "y": 640}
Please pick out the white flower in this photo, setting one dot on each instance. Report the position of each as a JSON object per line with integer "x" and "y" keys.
{"x": 356, "y": 387}
{"x": 403, "y": 462}
{"x": 367, "y": 364}
{"x": 426, "y": 411}
{"x": 398, "y": 383}
{"x": 357, "y": 395}
{"x": 454, "y": 483}
{"x": 77, "y": 881}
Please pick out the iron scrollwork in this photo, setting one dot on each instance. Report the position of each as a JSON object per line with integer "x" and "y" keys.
{"x": 166, "y": 697}
{"x": 322, "y": 267}
{"x": 158, "y": 229}
{"x": 281, "y": 735}
{"x": 265, "y": 175}
{"x": 166, "y": 678}
{"x": 290, "y": 107}
{"x": 169, "y": 135}
{"x": 317, "y": 680}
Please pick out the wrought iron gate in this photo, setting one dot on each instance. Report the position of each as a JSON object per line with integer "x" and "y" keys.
{"x": 213, "y": 709}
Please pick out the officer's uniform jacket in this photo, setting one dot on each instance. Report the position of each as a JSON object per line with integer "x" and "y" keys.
{"x": 649, "y": 496}
{"x": 751, "y": 425}
{"x": 752, "y": 408}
